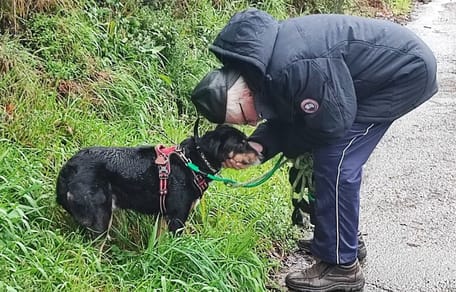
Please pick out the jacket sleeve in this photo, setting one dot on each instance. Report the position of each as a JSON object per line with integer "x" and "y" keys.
{"x": 268, "y": 134}
{"x": 322, "y": 97}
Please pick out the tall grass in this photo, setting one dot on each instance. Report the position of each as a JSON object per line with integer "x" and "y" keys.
{"x": 119, "y": 73}
{"x": 400, "y": 6}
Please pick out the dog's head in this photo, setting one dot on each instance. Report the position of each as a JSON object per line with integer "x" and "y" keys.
{"x": 90, "y": 205}
{"x": 222, "y": 142}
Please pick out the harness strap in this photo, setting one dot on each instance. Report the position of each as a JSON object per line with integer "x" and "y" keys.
{"x": 164, "y": 168}
{"x": 198, "y": 179}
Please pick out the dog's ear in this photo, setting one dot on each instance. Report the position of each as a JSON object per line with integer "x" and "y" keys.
{"x": 223, "y": 140}
{"x": 234, "y": 141}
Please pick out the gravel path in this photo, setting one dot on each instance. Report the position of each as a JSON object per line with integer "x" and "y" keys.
{"x": 408, "y": 201}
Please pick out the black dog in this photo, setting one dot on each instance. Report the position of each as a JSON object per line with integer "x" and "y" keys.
{"x": 98, "y": 179}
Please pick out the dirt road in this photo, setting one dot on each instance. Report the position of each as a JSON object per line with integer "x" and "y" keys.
{"x": 408, "y": 197}
{"x": 408, "y": 200}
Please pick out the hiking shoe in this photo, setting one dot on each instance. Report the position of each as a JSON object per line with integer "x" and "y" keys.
{"x": 327, "y": 277}
{"x": 304, "y": 245}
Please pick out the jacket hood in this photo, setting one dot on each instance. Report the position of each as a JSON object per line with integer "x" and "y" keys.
{"x": 249, "y": 37}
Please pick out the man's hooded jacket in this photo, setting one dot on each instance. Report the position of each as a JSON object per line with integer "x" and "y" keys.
{"x": 316, "y": 75}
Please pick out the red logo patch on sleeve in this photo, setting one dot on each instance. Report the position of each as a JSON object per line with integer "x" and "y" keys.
{"x": 309, "y": 105}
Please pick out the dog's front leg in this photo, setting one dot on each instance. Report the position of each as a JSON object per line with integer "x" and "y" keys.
{"x": 178, "y": 215}
{"x": 176, "y": 226}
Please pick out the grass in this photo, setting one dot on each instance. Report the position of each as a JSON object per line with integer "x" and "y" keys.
{"x": 82, "y": 73}
{"x": 400, "y": 6}
{"x": 43, "y": 248}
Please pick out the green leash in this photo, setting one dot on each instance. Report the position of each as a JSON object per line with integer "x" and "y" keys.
{"x": 249, "y": 184}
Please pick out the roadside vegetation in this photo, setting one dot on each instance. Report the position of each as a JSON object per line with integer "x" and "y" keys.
{"x": 119, "y": 73}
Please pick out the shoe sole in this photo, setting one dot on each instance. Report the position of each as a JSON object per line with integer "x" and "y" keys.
{"x": 336, "y": 287}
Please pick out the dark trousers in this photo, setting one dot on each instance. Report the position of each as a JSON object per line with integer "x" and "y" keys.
{"x": 337, "y": 173}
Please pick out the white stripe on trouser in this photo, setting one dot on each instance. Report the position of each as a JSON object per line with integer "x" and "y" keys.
{"x": 337, "y": 189}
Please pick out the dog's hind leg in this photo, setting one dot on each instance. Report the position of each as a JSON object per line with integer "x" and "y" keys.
{"x": 89, "y": 200}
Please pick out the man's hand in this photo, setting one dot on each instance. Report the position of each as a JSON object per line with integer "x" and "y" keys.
{"x": 244, "y": 160}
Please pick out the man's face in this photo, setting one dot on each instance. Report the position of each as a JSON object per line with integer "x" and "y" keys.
{"x": 242, "y": 111}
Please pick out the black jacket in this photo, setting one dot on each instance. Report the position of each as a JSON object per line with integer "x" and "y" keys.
{"x": 318, "y": 74}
